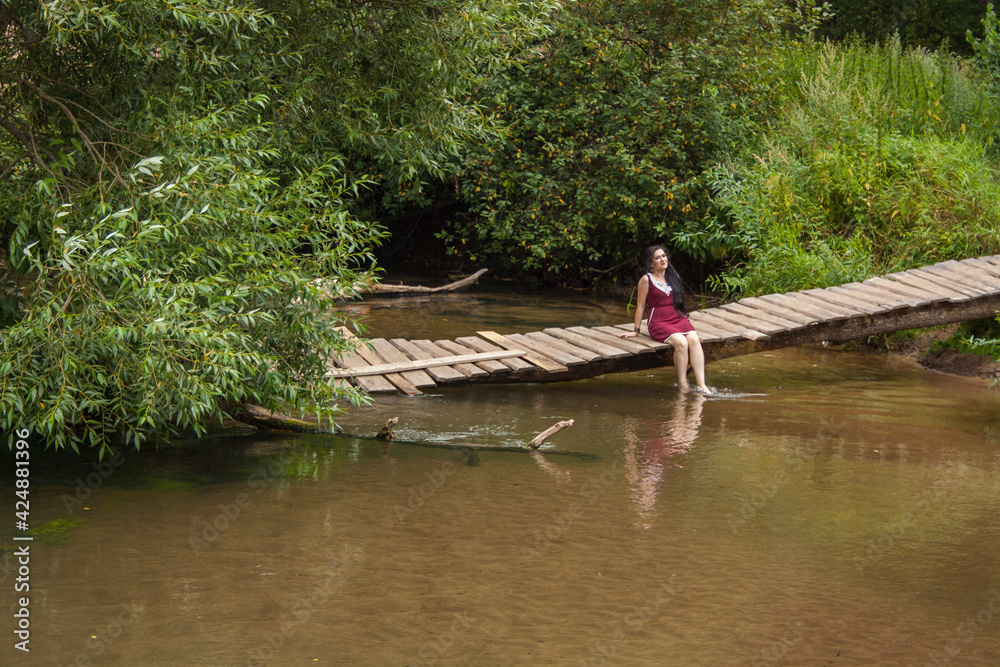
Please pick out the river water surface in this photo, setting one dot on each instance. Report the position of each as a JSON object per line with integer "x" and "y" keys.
{"x": 827, "y": 508}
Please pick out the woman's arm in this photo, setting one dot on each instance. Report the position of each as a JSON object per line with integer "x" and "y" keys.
{"x": 640, "y": 306}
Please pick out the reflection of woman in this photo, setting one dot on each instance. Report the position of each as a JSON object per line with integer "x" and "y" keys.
{"x": 661, "y": 287}
{"x": 647, "y": 467}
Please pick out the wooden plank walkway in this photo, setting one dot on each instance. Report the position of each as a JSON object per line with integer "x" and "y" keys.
{"x": 942, "y": 293}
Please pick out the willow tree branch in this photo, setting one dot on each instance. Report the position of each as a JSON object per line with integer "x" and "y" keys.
{"x": 14, "y": 163}
{"x": 28, "y": 142}
{"x": 44, "y": 95}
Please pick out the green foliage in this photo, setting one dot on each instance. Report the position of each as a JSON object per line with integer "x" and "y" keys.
{"x": 176, "y": 181}
{"x": 978, "y": 337}
{"x": 392, "y": 81}
{"x": 611, "y": 123}
{"x": 881, "y": 159}
{"x": 141, "y": 321}
{"x": 986, "y": 51}
{"x": 918, "y": 23}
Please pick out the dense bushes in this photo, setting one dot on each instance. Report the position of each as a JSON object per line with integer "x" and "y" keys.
{"x": 881, "y": 158}
{"x": 924, "y": 23}
{"x": 612, "y": 124}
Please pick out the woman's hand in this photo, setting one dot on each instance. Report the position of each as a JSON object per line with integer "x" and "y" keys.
{"x": 628, "y": 334}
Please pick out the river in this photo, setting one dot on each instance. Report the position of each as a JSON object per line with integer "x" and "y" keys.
{"x": 826, "y": 508}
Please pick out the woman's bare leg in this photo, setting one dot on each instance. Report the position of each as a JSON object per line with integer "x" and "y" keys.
{"x": 680, "y": 345}
{"x": 697, "y": 356}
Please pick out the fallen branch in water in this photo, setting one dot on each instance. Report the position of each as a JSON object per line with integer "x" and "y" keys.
{"x": 382, "y": 288}
{"x": 548, "y": 433}
{"x": 261, "y": 417}
{"x": 388, "y": 434}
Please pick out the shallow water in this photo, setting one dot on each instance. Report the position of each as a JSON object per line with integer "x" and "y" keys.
{"x": 826, "y": 508}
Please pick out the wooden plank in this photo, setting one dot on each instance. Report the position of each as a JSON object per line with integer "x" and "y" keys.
{"x": 992, "y": 259}
{"x": 809, "y": 308}
{"x": 624, "y": 344}
{"x": 786, "y": 325}
{"x": 780, "y": 311}
{"x": 925, "y": 296}
{"x": 885, "y": 299}
{"x": 642, "y": 339}
{"x": 842, "y": 300}
{"x": 493, "y": 367}
{"x": 789, "y": 306}
{"x": 443, "y": 374}
{"x": 954, "y": 293}
{"x": 947, "y": 281}
{"x": 556, "y": 343}
{"x": 835, "y": 309}
{"x": 374, "y": 384}
{"x": 982, "y": 265}
{"x": 707, "y": 317}
{"x": 918, "y": 282}
{"x": 978, "y": 280}
{"x": 480, "y": 345}
{"x": 875, "y": 302}
{"x": 543, "y": 348}
{"x": 397, "y": 380}
{"x": 900, "y": 299}
{"x": 542, "y": 361}
{"x": 967, "y": 284}
{"x": 412, "y": 365}
{"x": 587, "y": 343}
{"x": 706, "y": 332}
{"x": 391, "y": 355}
{"x": 403, "y": 384}
{"x": 469, "y": 370}
{"x": 752, "y": 321}
{"x": 850, "y": 304}
{"x": 986, "y": 279}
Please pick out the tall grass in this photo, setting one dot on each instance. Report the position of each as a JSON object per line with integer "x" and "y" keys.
{"x": 879, "y": 158}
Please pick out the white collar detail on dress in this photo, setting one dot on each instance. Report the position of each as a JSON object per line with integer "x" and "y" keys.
{"x": 663, "y": 287}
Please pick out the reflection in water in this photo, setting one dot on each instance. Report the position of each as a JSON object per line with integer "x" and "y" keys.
{"x": 560, "y": 475}
{"x": 647, "y": 458}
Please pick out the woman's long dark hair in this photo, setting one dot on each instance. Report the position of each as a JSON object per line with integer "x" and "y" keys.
{"x": 673, "y": 278}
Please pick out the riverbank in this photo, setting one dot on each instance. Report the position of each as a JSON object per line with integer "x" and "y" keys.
{"x": 925, "y": 349}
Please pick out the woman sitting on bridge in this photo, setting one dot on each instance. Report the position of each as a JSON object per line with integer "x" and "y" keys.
{"x": 661, "y": 287}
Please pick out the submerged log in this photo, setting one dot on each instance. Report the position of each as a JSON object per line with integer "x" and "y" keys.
{"x": 466, "y": 447}
{"x": 261, "y": 417}
{"x": 387, "y": 433}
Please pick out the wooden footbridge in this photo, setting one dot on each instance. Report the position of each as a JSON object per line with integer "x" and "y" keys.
{"x": 942, "y": 293}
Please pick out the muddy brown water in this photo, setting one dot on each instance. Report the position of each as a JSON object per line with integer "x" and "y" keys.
{"x": 827, "y": 508}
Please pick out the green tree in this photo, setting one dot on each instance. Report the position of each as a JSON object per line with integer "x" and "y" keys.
{"x": 986, "y": 51}
{"x": 611, "y": 123}
{"x": 926, "y": 23}
{"x": 176, "y": 181}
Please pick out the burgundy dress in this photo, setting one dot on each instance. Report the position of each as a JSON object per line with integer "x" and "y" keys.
{"x": 664, "y": 321}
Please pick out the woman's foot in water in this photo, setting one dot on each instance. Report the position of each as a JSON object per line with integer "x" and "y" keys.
{"x": 704, "y": 389}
